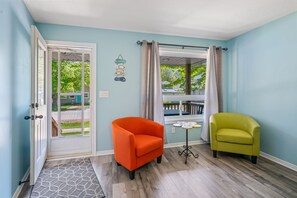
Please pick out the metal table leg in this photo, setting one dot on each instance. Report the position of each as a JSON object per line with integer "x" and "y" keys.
{"x": 187, "y": 152}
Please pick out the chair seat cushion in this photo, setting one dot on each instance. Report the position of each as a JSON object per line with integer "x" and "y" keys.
{"x": 234, "y": 136}
{"x": 147, "y": 143}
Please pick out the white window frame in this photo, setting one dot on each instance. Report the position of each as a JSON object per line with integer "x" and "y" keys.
{"x": 181, "y": 98}
{"x": 188, "y": 53}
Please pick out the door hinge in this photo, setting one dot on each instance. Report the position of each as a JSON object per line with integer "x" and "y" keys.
{"x": 33, "y": 105}
{"x": 21, "y": 182}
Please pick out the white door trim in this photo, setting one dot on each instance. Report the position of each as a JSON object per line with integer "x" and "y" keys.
{"x": 93, "y": 59}
{"x": 38, "y": 150}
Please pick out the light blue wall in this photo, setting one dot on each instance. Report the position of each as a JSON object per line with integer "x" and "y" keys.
{"x": 5, "y": 113}
{"x": 124, "y": 99}
{"x": 15, "y": 62}
{"x": 261, "y": 73}
{"x": 263, "y": 83}
{"x": 179, "y": 134}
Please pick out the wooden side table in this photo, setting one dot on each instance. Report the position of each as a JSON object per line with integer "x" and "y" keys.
{"x": 187, "y": 152}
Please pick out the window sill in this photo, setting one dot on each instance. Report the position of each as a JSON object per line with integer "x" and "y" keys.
{"x": 174, "y": 119}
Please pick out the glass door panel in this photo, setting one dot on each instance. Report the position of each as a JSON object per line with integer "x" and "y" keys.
{"x": 55, "y": 97}
{"x": 70, "y": 94}
{"x": 86, "y": 88}
{"x": 87, "y": 112}
{"x": 40, "y": 75}
{"x": 72, "y": 111}
{"x": 71, "y": 118}
{"x": 71, "y": 73}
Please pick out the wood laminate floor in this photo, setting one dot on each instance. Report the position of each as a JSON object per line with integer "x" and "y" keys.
{"x": 228, "y": 176}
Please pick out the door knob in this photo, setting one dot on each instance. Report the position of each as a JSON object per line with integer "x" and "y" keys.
{"x": 40, "y": 116}
{"x": 27, "y": 117}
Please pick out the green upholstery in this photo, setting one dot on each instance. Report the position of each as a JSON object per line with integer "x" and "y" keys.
{"x": 235, "y": 133}
{"x": 234, "y": 136}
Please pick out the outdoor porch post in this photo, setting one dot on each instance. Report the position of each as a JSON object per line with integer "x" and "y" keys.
{"x": 188, "y": 85}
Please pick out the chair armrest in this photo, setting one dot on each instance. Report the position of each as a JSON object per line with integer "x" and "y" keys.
{"x": 213, "y": 125}
{"x": 254, "y": 127}
{"x": 124, "y": 147}
{"x": 153, "y": 128}
{"x": 254, "y": 130}
{"x": 213, "y": 132}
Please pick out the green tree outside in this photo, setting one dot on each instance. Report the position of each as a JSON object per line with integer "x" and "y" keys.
{"x": 71, "y": 74}
{"x": 175, "y": 76}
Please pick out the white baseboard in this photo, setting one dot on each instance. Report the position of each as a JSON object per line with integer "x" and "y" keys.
{"x": 105, "y": 152}
{"x": 279, "y": 161}
{"x": 170, "y": 145}
{"x": 57, "y": 158}
{"x": 179, "y": 144}
{"x": 20, "y": 187}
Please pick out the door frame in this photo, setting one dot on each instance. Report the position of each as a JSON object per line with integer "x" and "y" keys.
{"x": 92, "y": 96}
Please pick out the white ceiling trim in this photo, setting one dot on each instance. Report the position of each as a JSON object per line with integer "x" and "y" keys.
{"x": 212, "y": 19}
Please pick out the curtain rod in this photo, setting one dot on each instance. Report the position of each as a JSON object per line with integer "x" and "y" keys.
{"x": 177, "y": 45}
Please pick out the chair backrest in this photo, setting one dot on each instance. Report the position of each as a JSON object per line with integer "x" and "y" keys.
{"x": 232, "y": 120}
{"x": 133, "y": 124}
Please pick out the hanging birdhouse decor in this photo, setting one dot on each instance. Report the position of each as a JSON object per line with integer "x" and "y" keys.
{"x": 120, "y": 69}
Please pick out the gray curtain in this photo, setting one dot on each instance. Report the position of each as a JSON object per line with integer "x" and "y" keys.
{"x": 213, "y": 88}
{"x": 219, "y": 78}
{"x": 151, "y": 87}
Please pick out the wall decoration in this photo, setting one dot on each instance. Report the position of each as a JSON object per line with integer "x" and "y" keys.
{"x": 120, "y": 68}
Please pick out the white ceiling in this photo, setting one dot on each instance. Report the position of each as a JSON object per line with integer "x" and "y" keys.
{"x": 213, "y": 19}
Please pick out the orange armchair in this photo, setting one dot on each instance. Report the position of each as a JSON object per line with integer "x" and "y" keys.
{"x": 136, "y": 142}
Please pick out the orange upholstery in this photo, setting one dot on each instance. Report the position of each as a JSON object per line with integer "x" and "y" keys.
{"x": 146, "y": 143}
{"x": 136, "y": 141}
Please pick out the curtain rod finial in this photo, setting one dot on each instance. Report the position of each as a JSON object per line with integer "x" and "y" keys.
{"x": 139, "y": 43}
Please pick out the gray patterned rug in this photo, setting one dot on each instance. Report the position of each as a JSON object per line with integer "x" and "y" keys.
{"x": 68, "y": 178}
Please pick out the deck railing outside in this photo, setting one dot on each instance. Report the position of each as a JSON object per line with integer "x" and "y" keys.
{"x": 191, "y": 108}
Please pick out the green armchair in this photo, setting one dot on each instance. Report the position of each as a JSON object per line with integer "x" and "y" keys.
{"x": 235, "y": 133}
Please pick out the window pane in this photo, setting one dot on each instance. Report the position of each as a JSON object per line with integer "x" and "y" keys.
{"x": 198, "y": 77}
{"x": 87, "y": 116}
{"x": 194, "y": 107}
{"x": 171, "y": 108}
{"x": 173, "y": 79}
{"x": 41, "y": 76}
{"x": 71, "y": 72}
{"x": 71, "y": 118}
{"x": 87, "y": 110}
{"x": 180, "y": 77}
{"x": 55, "y": 94}
{"x": 176, "y": 108}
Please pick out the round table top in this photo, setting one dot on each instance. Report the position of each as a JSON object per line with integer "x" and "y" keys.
{"x": 187, "y": 125}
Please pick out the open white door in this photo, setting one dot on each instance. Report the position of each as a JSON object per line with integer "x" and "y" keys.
{"x": 38, "y": 144}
